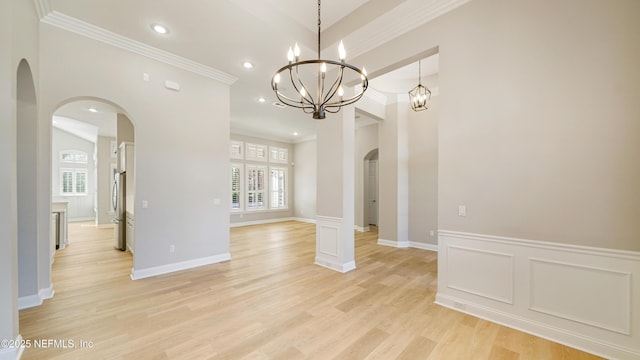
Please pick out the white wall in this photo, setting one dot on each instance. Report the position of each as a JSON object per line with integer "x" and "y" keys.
{"x": 18, "y": 39}
{"x": 538, "y": 135}
{"x": 81, "y": 207}
{"x": 304, "y": 171}
{"x": 8, "y": 217}
{"x": 182, "y": 142}
{"x": 537, "y": 125}
{"x": 423, "y": 174}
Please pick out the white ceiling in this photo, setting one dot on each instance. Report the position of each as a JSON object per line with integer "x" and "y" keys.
{"x": 77, "y": 119}
{"x": 222, "y": 34}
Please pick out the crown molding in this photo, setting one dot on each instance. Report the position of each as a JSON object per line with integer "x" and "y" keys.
{"x": 80, "y": 27}
{"x": 402, "y": 19}
{"x": 43, "y": 7}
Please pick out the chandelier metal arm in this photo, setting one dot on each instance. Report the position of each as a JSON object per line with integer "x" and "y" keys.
{"x": 291, "y": 102}
{"x": 334, "y": 87}
{"x": 309, "y": 100}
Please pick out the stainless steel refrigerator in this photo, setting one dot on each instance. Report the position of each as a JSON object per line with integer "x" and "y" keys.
{"x": 119, "y": 198}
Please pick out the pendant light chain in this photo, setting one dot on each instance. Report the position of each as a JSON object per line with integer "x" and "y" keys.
{"x": 318, "y": 29}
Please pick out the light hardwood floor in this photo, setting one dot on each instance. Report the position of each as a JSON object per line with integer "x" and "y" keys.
{"x": 269, "y": 302}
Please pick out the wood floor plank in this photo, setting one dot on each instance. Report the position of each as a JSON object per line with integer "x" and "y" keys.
{"x": 269, "y": 302}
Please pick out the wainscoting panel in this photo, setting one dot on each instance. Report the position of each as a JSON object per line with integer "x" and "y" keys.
{"x": 329, "y": 248}
{"x": 483, "y": 273}
{"x": 585, "y": 294}
{"x": 329, "y": 236}
{"x": 583, "y": 297}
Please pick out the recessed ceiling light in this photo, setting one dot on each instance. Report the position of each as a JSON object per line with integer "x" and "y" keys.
{"x": 247, "y": 65}
{"x": 261, "y": 99}
{"x": 295, "y": 133}
{"x": 93, "y": 110}
{"x": 160, "y": 29}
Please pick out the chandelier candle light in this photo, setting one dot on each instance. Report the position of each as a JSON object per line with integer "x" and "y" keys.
{"x": 329, "y": 95}
{"x": 419, "y": 96}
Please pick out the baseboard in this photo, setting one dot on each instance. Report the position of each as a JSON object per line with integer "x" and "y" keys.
{"x": 396, "y": 244}
{"x": 12, "y": 353}
{"x": 361, "y": 228}
{"x": 47, "y": 293}
{"x": 546, "y": 289}
{"x": 137, "y": 274}
{"x": 260, "y": 222}
{"x": 81, "y": 219}
{"x": 305, "y": 220}
{"x": 545, "y": 331}
{"x": 423, "y": 246}
{"x": 26, "y": 302}
{"x": 343, "y": 268}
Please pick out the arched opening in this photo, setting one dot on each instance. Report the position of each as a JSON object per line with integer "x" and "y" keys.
{"x": 26, "y": 150}
{"x": 370, "y": 204}
{"x": 92, "y": 150}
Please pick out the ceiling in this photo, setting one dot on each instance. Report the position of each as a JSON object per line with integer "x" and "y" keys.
{"x": 222, "y": 34}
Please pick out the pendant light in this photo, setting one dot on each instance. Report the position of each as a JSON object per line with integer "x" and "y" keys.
{"x": 419, "y": 96}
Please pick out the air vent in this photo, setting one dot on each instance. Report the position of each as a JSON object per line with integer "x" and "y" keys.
{"x": 279, "y": 105}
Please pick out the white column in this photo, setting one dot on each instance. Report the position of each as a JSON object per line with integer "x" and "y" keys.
{"x": 393, "y": 137}
{"x": 335, "y": 191}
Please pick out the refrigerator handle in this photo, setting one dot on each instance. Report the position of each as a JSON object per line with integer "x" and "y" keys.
{"x": 114, "y": 195}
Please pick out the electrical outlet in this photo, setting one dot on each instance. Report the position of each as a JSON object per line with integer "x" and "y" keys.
{"x": 172, "y": 248}
{"x": 432, "y": 233}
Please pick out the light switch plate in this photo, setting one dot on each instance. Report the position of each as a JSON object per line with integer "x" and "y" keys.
{"x": 462, "y": 210}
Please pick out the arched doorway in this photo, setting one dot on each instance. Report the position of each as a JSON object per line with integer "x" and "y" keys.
{"x": 88, "y": 137}
{"x": 370, "y": 198}
{"x": 26, "y": 150}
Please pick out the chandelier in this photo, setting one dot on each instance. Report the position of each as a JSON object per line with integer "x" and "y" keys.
{"x": 419, "y": 96}
{"x": 329, "y": 94}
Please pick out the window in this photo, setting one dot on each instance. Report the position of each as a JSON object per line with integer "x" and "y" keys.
{"x": 278, "y": 155}
{"x": 255, "y": 187}
{"x": 73, "y": 182}
{"x": 236, "y": 150}
{"x": 256, "y": 152}
{"x": 73, "y": 157}
{"x": 236, "y": 188}
{"x": 278, "y": 185}
{"x": 73, "y": 175}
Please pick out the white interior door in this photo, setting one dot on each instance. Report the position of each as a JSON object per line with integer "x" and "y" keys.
{"x": 373, "y": 192}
